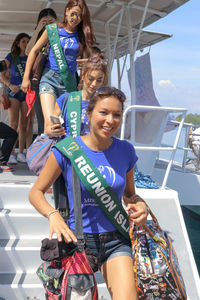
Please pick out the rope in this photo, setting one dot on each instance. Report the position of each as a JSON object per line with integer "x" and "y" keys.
{"x": 143, "y": 180}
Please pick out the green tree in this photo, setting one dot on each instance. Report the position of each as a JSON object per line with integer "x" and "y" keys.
{"x": 190, "y": 118}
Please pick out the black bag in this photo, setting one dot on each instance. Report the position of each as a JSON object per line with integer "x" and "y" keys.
{"x": 69, "y": 275}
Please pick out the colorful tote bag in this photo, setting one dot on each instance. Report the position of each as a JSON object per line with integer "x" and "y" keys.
{"x": 156, "y": 268}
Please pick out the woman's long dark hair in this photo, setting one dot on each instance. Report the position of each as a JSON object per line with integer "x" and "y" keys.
{"x": 15, "y": 49}
{"x": 44, "y": 13}
{"x": 85, "y": 29}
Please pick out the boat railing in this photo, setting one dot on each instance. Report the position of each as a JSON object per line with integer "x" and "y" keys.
{"x": 186, "y": 148}
{"x": 172, "y": 149}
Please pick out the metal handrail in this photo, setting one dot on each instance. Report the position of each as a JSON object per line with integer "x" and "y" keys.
{"x": 185, "y": 148}
{"x": 173, "y": 149}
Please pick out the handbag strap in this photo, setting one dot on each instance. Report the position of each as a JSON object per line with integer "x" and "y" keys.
{"x": 54, "y": 39}
{"x": 78, "y": 210}
{"x": 95, "y": 184}
{"x": 71, "y": 103}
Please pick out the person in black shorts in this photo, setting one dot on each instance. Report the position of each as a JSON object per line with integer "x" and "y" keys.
{"x": 9, "y": 137}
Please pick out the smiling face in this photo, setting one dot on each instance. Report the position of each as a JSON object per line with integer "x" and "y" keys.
{"x": 73, "y": 17}
{"x": 105, "y": 118}
{"x": 92, "y": 80}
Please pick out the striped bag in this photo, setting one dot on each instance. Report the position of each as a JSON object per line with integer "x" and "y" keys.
{"x": 156, "y": 268}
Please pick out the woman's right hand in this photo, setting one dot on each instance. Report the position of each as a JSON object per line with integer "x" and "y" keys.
{"x": 59, "y": 227}
{"x": 14, "y": 88}
{"x": 54, "y": 130}
{"x": 26, "y": 85}
{"x": 40, "y": 25}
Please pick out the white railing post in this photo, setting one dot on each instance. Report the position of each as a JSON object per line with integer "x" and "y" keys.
{"x": 174, "y": 151}
{"x": 156, "y": 148}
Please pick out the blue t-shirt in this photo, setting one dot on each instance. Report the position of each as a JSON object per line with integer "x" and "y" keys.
{"x": 15, "y": 78}
{"x": 69, "y": 43}
{"x": 84, "y": 120}
{"x": 113, "y": 164}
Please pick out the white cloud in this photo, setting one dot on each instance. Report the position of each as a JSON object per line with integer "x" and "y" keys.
{"x": 195, "y": 69}
{"x": 181, "y": 96}
{"x": 165, "y": 83}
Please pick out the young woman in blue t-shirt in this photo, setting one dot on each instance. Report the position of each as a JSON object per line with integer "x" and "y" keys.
{"x": 115, "y": 159}
{"x": 76, "y": 37}
{"x": 18, "y": 108}
{"x": 94, "y": 75}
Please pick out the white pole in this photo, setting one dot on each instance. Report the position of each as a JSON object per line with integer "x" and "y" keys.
{"x": 116, "y": 37}
{"x": 108, "y": 50}
{"x": 132, "y": 72}
{"x": 131, "y": 55}
{"x": 118, "y": 71}
{"x": 141, "y": 24}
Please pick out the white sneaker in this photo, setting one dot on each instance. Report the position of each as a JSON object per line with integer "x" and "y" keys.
{"x": 21, "y": 158}
{"x": 12, "y": 160}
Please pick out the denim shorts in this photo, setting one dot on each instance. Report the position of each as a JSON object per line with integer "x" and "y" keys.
{"x": 51, "y": 83}
{"x": 108, "y": 245}
{"x": 20, "y": 96}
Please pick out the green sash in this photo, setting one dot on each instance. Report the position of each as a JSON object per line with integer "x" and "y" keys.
{"x": 19, "y": 66}
{"x": 54, "y": 39}
{"x": 74, "y": 113}
{"x": 95, "y": 184}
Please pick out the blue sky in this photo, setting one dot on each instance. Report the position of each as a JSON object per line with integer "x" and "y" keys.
{"x": 176, "y": 61}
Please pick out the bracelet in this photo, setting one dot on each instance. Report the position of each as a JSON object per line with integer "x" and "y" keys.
{"x": 51, "y": 213}
{"x": 137, "y": 199}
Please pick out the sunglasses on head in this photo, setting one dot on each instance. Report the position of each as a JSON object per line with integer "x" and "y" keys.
{"x": 110, "y": 91}
{"x": 97, "y": 59}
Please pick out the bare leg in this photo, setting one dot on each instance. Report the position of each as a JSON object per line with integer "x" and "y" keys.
{"x": 119, "y": 277}
{"x": 13, "y": 114}
{"x": 48, "y": 102}
{"x": 22, "y": 126}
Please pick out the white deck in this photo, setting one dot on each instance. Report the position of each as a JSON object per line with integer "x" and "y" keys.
{"x": 186, "y": 182}
{"x": 22, "y": 229}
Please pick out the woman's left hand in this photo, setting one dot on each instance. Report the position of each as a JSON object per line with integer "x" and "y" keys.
{"x": 138, "y": 213}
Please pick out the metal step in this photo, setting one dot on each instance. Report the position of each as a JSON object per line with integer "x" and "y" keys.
{"x": 15, "y": 255}
{"x": 26, "y": 223}
{"x": 23, "y": 286}
{"x": 16, "y": 196}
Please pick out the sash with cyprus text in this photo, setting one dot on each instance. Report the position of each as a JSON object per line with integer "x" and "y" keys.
{"x": 74, "y": 113}
{"x": 95, "y": 184}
